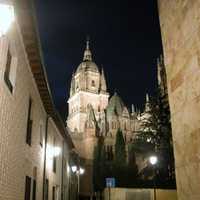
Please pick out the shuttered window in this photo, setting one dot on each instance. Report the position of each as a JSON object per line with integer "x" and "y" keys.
{"x": 7, "y": 71}
{"x": 29, "y": 124}
{"x": 27, "y": 188}
{"x": 34, "y": 190}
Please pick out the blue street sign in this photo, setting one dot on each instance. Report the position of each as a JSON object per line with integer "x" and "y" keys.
{"x": 110, "y": 182}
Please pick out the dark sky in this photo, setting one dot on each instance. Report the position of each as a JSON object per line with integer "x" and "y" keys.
{"x": 125, "y": 40}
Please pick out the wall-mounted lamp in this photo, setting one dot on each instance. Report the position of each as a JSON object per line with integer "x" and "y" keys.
{"x": 6, "y": 17}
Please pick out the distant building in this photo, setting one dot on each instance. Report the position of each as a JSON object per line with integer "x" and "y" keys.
{"x": 93, "y": 113}
{"x": 34, "y": 144}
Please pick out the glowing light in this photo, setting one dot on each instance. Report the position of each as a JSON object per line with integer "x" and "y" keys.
{"x": 148, "y": 139}
{"x": 6, "y": 18}
{"x": 81, "y": 171}
{"x": 153, "y": 160}
{"x": 53, "y": 151}
{"x": 68, "y": 169}
{"x": 57, "y": 151}
{"x": 74, "y": 169}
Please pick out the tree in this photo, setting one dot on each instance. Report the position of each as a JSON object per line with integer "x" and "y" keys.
{"x": 120, "y": 149}
{"x": 156, "y": 135}
{"x": 99, "y": 166}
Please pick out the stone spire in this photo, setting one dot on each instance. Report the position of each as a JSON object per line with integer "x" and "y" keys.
{"x": 162, "y": 77}
{"x": 132, "y": 108}
{"x": 87, "y": 52}
{"x": 147, "y": 104}
{"x": 103, "y": 87}
{"x": 72, "y": 87}
{"x": 159, "y": 71}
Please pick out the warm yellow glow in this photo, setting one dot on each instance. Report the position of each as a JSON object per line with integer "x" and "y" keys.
{"x": 6, "y": 18}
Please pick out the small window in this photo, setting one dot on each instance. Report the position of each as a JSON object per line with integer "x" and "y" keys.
{"x": 29, "y": 124}
{"x": 27, "y": 188}
{"x": 54, "y": 193}
{"x": 41, "y": 135}
{"x": 54, "y": 157}
{"x": 7, "y": 71}
{"x": 34, "y": 190}
{"x": 93, "y": 83}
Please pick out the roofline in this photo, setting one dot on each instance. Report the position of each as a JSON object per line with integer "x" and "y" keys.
{"x": 26, "y": 17}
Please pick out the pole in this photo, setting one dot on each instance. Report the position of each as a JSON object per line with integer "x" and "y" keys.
{"x": 63, "y": 173}
{"x": 154, "y": 183}
{"x": 78, "y": 182}
{"x": 45, "y": 153}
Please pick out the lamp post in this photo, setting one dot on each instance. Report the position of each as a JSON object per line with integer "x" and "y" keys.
{"x": 153, "y": 161}
{"x": 78, "y": 171}
{"x": 6, "y": 17}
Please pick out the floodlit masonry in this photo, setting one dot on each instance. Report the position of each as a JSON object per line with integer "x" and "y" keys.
{"x": 34, "y": 144}
{"x": 92, "y": 112}
{"x": 179, "y": 21}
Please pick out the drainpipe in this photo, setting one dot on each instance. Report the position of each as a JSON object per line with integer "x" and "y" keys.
{"x": 45, "y": 156}
{"x": 63, "y": 173}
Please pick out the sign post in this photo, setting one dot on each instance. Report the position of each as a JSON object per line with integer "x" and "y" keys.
{"x": 110, "y": 183}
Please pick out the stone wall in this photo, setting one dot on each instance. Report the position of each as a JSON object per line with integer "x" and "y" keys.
{"x": 17, "y": 158}
{"x": 143, "y": 194}
{"x": 180, "y": 27}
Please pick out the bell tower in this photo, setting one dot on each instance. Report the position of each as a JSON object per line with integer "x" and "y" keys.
{"x": 88, "y": 87}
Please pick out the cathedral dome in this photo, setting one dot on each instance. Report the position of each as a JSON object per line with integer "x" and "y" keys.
{"x": 115, "y": 105}
{"x": 87, "y": 66}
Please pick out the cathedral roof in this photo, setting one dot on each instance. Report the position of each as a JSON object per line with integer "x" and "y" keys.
{"x": 87, "y": 64}
{"x": 115, "y": 105}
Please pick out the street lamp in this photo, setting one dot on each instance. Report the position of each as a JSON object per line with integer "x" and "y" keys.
{"x": 78, "y": 171}
{"x": 6, "y": 17}
{"x": 153, "y": 161}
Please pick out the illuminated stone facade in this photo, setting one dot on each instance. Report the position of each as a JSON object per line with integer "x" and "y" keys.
{"x": 25, "y": 152}
{"x": 92, "y": 113}
{"x": 179, "y": 21}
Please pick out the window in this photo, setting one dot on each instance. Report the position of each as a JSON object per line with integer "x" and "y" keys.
{"x": 54, "y": 157}
{"x": 7, "y": 71}
{"x": 46, "y": 196}
{"x": 109, "y": 152}
{"x": 41, "y": 135}
{"x": 29, "y": 124}
{"x": 93, "y": 83}
{"x": 27, "y": 188}
{"x": 54, "y": 193}
{"x": 34, "y": 190}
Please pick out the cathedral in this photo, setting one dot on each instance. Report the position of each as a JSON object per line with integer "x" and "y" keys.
{"x": 93, "y": 112}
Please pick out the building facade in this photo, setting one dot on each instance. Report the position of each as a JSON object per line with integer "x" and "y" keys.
{"x": 34, "y": 144}
{"x": 179, "y": 21}
{"x": 93, "y": 113}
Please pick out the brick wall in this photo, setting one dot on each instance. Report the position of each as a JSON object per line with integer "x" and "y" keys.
{"x": 17, "y": 158}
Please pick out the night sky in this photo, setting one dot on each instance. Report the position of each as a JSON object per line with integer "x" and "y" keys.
{"x": 124, "y": 39}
